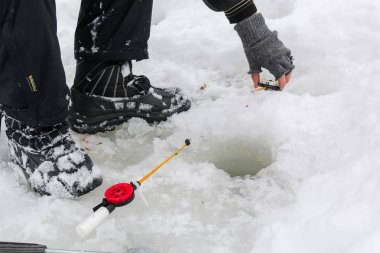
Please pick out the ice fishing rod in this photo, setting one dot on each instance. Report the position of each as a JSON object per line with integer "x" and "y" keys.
{"x": 118, "y": 195}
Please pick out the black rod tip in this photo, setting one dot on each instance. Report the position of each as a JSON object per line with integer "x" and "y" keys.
{"x": 187, "y": 141}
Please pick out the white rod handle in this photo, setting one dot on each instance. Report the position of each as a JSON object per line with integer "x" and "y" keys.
{"x": 92, "y": 222}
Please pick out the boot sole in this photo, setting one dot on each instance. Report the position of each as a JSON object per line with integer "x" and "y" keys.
{"x": 85, "y": 125}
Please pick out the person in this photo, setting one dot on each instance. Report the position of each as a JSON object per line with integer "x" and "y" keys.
{"x": 35, "y": 99}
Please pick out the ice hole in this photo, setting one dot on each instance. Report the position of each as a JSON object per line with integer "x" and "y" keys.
{"x": 237, "y": 158}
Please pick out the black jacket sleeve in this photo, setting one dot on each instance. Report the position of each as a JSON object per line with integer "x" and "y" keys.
{"x": 235, "y": 10}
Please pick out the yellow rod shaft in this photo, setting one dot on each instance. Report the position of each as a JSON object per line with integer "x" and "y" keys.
{"x": 162, "y": 164}
{"x": 260, "y": 89}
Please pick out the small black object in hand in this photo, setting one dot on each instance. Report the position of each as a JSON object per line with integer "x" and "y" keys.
{"x": 268, "y": 86}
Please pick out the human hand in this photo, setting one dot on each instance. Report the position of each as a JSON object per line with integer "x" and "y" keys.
{"x": 263, "y": 49}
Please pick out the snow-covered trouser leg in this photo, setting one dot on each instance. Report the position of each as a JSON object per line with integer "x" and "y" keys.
{"x": 114, "y": 30}
{"x": 32, "y": 80}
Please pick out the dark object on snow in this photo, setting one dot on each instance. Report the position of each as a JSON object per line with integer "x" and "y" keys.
{"x": 50, "y": 159}
{"x": 93, "y": 112}
{"x": 16, "y": 247}
{"x": 11, "y": 247}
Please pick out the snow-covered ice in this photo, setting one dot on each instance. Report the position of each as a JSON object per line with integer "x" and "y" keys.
{"x": 312, "y": 151}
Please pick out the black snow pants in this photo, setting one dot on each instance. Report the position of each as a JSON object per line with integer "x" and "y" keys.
{"x": 32, "y": 80}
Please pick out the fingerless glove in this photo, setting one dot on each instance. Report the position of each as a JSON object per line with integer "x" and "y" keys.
{"x": 263, "y": 48}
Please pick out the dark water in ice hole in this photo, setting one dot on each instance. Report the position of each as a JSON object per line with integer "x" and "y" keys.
{"x": 235, "y": 158}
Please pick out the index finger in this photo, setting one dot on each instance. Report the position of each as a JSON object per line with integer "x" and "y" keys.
{"x": 283, "y": 80}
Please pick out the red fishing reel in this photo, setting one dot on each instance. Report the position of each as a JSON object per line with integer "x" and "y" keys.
{"x": 118, "y": 195}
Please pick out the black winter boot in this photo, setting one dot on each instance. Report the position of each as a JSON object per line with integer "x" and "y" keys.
{"x": 102, "y": 98}
{"x": 50, "y": 159}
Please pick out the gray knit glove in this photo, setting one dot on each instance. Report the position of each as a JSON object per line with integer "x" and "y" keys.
{"x": 263, "y": 48}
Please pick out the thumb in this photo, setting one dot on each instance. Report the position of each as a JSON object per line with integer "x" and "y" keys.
{"x": 256, "y": 79}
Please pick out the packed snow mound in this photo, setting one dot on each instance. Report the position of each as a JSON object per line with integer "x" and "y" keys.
{"x": 313, "y": 148}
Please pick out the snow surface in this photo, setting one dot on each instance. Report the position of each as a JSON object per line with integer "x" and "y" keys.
{"x": 317, "y": 143}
